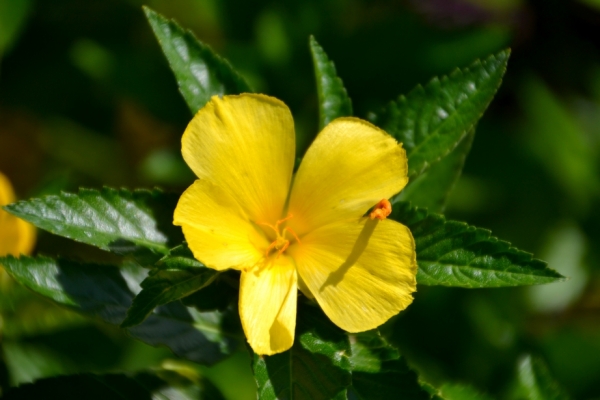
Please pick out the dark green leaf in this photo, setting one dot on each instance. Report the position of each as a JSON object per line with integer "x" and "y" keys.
{"x": 115, "y": 220}
{"x": 535, "y": 382}
{"x": 431, "y": 189}
{"x": 107, "y": 292}
{"x": 316, "y": 367}
{"x": 333, "y": 98}
{"x": 451, "y": 253}
{"x": 379, "y": 372}
{"x": 170, "y": 282}
{"x": 200, "y": 72}
{"x": 430, "y": 121}
{"x": 219, "y": 295}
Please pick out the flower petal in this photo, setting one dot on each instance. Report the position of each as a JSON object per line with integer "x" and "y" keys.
{"x": 16, "y": 236}
{"x": 350, "y": 167}
{"x": 217, "y": 229}
{"x": 361, "y": 272}
{"x": 268, "y": 306}
{"x": 246, "y": 145}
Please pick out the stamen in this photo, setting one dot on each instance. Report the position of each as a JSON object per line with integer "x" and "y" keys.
{"x": 280, "y": 243}
{"x": 381, "y": 210}
{"x": 290, "y": 230}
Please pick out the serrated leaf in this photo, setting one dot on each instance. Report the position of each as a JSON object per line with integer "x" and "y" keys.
{"x": 431, "y": 189}
{"x": 430, "y": 121}
{"x": 316, "y": 367}
{"x": 199, "y": 71}
{"x": 451, "y": 253}
{"x": 379, "y": 372}
{"x": 120, "y": 221}
{"x": 535, "y": 382}
{"x": 107, "y": 292}
{"x": 333, "y": 97}
{"x": 172, "y": 281}
{"x": 218, "y": 295}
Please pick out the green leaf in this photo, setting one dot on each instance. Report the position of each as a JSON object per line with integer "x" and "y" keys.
{"x": 430, "y": 121}
{"x": 535, "y": 382}
{"x": 333, "y": 98}
{"x": 107, "y": 292}
{"x": 199, "y": 71}
{"x": 316, "y": 367}
{"x": 115, "y": 220}
{"x": 451, "y": 253}
{"x": 172, "y": 281}
{"x": 431, "y": 189}
{"x": 379, "y": 372}
{"x": 218, "y": 295}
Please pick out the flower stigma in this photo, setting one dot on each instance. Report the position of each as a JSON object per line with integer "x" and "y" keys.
{"x": 381, "y": 210}
{"x": 280, "y": 243}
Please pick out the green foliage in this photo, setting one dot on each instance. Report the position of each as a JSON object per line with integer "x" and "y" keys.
{"x": 451, "y": 253}
{"x": 379, "y": 372}
{"x": 104, "y": 291}
{"x": 431, "y": 189}
{"x": 431, "y": 121}
{"x": 535, "y": 382}
{"x": 333, "y": 97}
{"x": 115, "y": 220}
{"x": 173, "y": 280}
{"x": 316, "y": 367}
{"x": 200, "y": 73}
{"x": 179, "y": 303}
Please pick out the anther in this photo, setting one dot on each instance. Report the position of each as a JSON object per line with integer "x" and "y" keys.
{"x": 280, "y": 243}
{"x": 381, "y": 210}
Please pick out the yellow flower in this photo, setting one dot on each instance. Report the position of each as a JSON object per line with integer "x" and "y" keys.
{"x": 248, "y": 212}
{"x": 16, "y": 236}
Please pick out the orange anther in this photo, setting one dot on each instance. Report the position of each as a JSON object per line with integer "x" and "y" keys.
{"x": 280, "y": 243}
{"x": 381, "y": 210}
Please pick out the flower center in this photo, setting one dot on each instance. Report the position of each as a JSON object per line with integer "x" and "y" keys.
{"x": 281, "y": 243}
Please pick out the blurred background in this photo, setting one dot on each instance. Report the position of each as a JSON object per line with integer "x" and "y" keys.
{"x": 87, "y": 98}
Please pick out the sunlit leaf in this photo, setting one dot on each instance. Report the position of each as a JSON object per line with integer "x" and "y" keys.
{"x": 333, "y": 97}
{"x": 120, "y": 221}
{"x": 431, "y": 121}
{"x": 107, "y": 292}
{"x": 199, "y": 71}
{"x": 451, "y": 253}
{"x": 316, "y": 367}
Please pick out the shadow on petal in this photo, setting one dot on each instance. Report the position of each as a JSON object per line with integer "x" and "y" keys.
{"x": 359, "y": 247}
